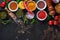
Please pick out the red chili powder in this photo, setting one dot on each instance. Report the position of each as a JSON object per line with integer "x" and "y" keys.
{"x": 41, "y": 14}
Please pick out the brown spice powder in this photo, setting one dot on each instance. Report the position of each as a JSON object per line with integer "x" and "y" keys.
{"x": 13, "y": 6}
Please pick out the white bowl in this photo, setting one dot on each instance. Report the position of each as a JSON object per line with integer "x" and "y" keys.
{"x": 34, "y": 3}
{"x": 43, "y": 7}
{"x": 10, "y": 8}
{"x": 40, "y": 18}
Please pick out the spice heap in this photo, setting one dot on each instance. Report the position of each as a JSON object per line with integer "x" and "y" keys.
{"x": 41, "y": 15}
{"x": 41, "y": 5}
{"x": 13, "y": 6}
{"x": 31, "y": 5}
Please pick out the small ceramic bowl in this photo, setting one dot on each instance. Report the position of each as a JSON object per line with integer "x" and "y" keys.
{"x": 45, "y": 5}
{"x": 31, "y": 5}
{"x": 41, "y": 18}
{"x": 10, "y": 8}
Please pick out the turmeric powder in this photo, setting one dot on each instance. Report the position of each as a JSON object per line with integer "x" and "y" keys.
{"x": 31, "y": 5}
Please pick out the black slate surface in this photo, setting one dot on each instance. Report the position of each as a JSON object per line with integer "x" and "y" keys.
{"x": 9, "y": 31}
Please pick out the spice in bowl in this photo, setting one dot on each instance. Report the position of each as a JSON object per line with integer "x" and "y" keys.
{"x": 41, "y": 15}
{"x": 31, "y": 5}
{"x": 13, "y": 6}
{"x": 41, "y": 5}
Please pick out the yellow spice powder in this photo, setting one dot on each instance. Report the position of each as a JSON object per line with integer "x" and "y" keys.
{"x": 31, "y": 5}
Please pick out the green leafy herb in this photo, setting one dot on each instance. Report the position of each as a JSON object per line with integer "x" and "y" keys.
{"x": 48, "y": 17}
{"x": 7, "y": 4}
{"x": 25, "y": 19}
{"x": 6, "y": 21}
{"x": 18, "y": 1}
{"x": 33, "y": 20}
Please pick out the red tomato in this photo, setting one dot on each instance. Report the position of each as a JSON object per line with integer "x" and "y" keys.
{"x": 2, "y": 4}
{"x": 55, "y": 22}
{"x": 50, "y": 22}
{"x": 56, "y": 18}
{"x": 59, "y": 20}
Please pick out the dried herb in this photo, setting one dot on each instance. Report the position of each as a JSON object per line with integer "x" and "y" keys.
{"x": 3, "y": 15}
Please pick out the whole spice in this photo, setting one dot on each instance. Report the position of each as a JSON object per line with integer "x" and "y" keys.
{"x": 49, "y": 2}
{"x": 52, "y": 13}
{"x": 50, "y": 7}
{"x": 57, "y": 8}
